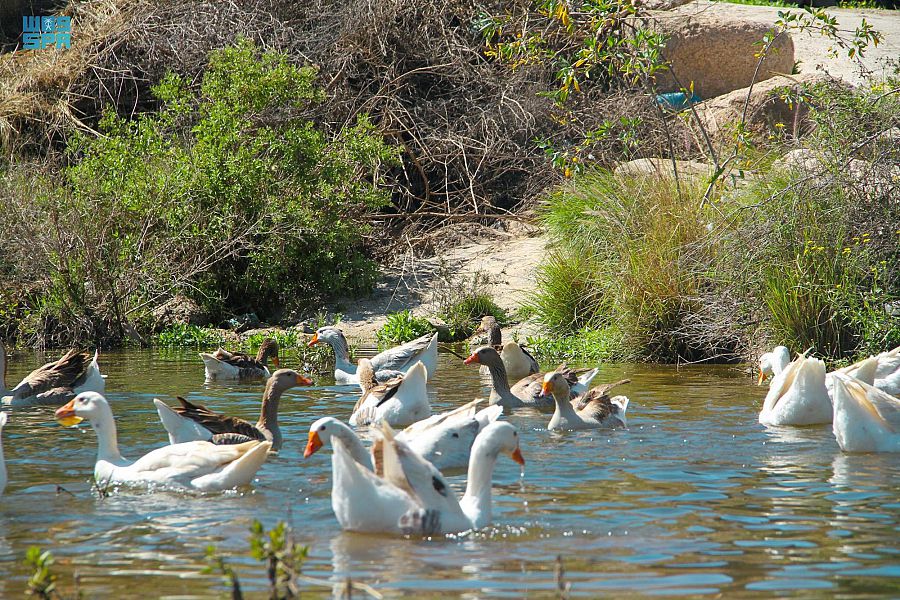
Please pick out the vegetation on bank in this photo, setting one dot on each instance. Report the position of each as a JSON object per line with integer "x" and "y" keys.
{"x": 803, "y": 254}
{"x": 227, "y": 194}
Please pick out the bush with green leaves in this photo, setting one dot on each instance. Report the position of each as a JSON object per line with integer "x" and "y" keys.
{"x": 227, "y": 193}
{"x": 402, "y": 327}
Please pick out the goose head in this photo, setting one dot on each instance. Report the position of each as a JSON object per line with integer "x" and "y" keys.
{"x": 502, "y": 436}
{"x": 89, "y": 406}
{"x": 555, "y": 384}
{"x": 320, "y": 434}
{"x": 284, "y": 379}
{"x": 328, "y": 335}
{"x": 486, "y": 356}
{"x": 772, "y": 363}
{"x": 268, "y": 349}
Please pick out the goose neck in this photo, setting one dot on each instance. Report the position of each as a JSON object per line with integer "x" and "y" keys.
{"x": 104, "y": 427}
{"x": 499, "y": 381}
{"x": 351, "y": 442}
{"x": 479, "y": 479}
{"x": 268, "y": 413}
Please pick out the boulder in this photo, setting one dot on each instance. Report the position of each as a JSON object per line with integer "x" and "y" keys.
{"x": 717, "y": 54}
{"x": 179, "y": 310}
{"x": 767, "y": 110}
{"x": 662, "y": 168}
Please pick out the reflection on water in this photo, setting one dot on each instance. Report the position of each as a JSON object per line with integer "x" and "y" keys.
{"x": 694, "y": 498}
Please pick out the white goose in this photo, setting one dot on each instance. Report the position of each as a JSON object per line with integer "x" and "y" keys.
{"x": 56, "y": 382}
{"x": 440, "y": 511}
{"x": 881, "y": 371}
{"x": 445, "y": 440}
{"x": 387, "y": 364}
{"x": 361, "y": 500}
{"x": 401, "y": 401}
{"x": 866, "y": 419}
{"x": 797, "y": 395}
{"x": 771, "y": 364}
{"x": 201, "y": 466}
{"x": 592, "y": 410}
{"x": 3, "y": 476}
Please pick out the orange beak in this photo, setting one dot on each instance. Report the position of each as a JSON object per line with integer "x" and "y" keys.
{"x": 545, "y": 389}
{"x": 314, "y": 340}
{"x": 517, "y": 456}
{"x": 314, "y": 444}
{"x": 276, "y": 362}
{"x": 301, "y": 380}
{"x": 762, "y": 377}
{"x": 66, "y": 416}
{"x": 472, "y": 359}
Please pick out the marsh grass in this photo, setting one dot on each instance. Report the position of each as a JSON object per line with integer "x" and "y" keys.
{"x": 634, "y": 257}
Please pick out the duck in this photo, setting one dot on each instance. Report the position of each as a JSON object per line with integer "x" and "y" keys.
{"x": 387, "y": 364}
{"x": 191, "y": 422}
{"x": 797, "y": 395}
{"x": 526, "y": 391}
{"x": 866, "y": 419}
{"x": 3, "y": 474}
{"x": 592, "y": 410}
{"x": 361, "y": 499}
{"x": 224, "y": 365}
{"x": 519, "y": 363}
{"x": 440, "y": 511}
{"x": 881, "y": 371}
{"x": 400, "y": 401}
{"x": 199, "y": 465}
{"x": 445, "y": 440}
{"x": 56, "y": 382}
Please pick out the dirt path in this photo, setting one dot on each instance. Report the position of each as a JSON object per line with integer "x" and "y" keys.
{"x": 508, "y": 260}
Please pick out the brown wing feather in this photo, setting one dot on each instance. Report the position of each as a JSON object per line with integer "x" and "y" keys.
{"x": 217, "y": 423}
{"x": 596, "y": 401}
{"x": 63, "y": 373}
{"x": 385, "y": 390}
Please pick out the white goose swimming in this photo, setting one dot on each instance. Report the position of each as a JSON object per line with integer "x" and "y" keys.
{"x": 387, "y": 364}
{"x": 361, "y": 500}
{"x": 440, "y": 511}
{"x": 56, "y": 382}
{"x": 881, "y": 371}
{"x": 866, "y": 419}
{"x": 445, "y": 440}
{"x": 797, "y": 395}
{"x": 401, "y": 401}
{"x": 3, "y": 476}
{"x": 201, "y": 466}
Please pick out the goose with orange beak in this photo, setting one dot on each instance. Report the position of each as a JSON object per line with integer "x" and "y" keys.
{"x": 191, "y": 422}
{"x": 200, "y": 466}
{"x": 593, "y": 410}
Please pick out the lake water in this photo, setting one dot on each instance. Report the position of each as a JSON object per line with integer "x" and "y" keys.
{"x": 694, "y": 498}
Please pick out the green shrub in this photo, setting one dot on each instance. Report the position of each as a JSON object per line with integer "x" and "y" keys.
{"x": 583, "y": 347}
{"x": 189, "y": 336}
{"x": 402, "y": 327}
{"x": 227, "y": 193}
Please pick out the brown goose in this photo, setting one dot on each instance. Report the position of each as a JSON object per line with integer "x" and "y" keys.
{"x": 190, "y": 422}
{"x": 518, "y": 361}
{"x": 222, "y": 364}
{"x": 592, "y": 410}
{"x": 54, "y": 383}
{"x": 526, "y": 391}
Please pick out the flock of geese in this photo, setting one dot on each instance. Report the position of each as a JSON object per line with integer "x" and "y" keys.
{"x": 395, "y": 484}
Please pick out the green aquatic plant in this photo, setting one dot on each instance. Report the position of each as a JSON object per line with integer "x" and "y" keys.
{"x": 182, "y": 335}
{"x": 42, "y": 582}
{"x": 402, "y": 327}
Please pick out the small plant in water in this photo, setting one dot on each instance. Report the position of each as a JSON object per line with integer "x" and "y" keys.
{"x": 42, "y": 583}
{"x": 402, "y": 327}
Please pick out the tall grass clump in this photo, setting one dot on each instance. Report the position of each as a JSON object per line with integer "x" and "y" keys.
{"x": 632, "y": 255}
